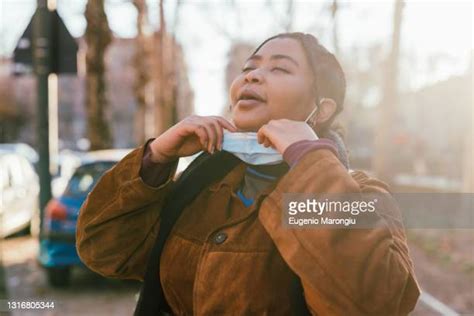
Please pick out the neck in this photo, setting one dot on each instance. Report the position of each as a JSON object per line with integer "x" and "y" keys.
{"x": 271, "y": 170}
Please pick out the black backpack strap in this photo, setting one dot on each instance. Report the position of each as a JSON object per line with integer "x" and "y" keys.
{"x": 204, "y": 170}
{"x": 300, "y": 308}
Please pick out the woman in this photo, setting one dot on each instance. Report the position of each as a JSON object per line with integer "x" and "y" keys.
{"x": 228, "y": 252}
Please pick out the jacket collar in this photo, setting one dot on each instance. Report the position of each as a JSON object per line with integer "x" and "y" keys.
{"x": 232, "y": 179}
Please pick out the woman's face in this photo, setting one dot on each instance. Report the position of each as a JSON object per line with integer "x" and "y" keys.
{"x": 275, "y": 83}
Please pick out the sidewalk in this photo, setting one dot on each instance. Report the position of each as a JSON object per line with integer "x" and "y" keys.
{"x": 3, "y": 285}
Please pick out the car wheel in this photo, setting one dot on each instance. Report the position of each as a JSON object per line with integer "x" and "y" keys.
{"x": 59, "y": 276}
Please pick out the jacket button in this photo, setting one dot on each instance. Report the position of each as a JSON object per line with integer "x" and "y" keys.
{"x": 219, "y": 238}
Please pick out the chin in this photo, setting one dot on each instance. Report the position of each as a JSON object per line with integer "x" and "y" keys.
{"x": 248, "y": 121}
{"x": 246, "y": 125}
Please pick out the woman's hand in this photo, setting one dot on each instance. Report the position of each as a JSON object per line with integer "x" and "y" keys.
{"x": 280, "y": 134}
{"x": 189, "y": 136}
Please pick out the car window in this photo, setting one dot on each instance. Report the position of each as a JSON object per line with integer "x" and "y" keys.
{"x": 86, "y": 177}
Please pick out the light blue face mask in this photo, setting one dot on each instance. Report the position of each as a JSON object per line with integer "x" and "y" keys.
{"x": 245, "y": 146}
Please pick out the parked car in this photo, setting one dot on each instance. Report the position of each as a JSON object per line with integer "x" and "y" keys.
{"x": 19, "y": 190}
{"x": 66, "y": 163}
{"x": 22, "y": 149}
{"x": 58, "y": 253}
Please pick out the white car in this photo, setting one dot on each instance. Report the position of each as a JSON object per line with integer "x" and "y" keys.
{"x": 19, "y": 194}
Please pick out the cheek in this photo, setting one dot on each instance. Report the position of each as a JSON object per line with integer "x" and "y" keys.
{"x": 289, "y": 99}
{"x": 234, "y": 88}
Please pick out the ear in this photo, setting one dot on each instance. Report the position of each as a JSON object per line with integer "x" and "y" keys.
{"x": 327, "y": 108}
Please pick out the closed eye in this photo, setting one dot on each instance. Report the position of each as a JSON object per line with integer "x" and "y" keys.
{"x": 275, "y": 68}
{"x": 247, "y": 69}
{"x": 281, "y": 69}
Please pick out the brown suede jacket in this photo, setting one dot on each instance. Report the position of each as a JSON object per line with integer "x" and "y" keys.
{"x": 224, "y": 258}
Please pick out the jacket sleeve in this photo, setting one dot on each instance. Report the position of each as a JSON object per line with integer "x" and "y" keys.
{"x": 119, "y": 221}
{"x": 343, "y": 271}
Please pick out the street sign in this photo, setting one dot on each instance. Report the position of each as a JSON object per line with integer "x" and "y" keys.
{"x": 63, "y": 54}
{"x": 44, "y": 49}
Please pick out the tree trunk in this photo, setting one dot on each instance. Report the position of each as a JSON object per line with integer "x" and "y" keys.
{"x": 164, "y": 72}
{"x": 141, "y": 61}
{"x": 334, "y": 11}
{"x": 383, "y": 156}
{"x": 289, "y": 16}
{"x": 98, "y": 37}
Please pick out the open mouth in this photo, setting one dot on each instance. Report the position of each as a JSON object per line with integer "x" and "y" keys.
{"x": 250, "y": 95}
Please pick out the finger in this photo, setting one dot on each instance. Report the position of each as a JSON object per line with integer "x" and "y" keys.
{"x": 273, "y": 123}
{"x": 226, "y": 124}
{"x": 219, "y": 134}
{"x": 272, "y": 145}
{"x": 262, "y": 134}
{"x": 266, "y": 142}
{"x": 201, "y": 133}
{"x": 211, "y": 134}
{"x": 217, "y": 131}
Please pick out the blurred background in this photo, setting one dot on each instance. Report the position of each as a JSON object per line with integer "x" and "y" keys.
{"x": 117, "y": 72}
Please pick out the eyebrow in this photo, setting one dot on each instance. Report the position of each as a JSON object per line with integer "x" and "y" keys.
{"x": 277, "y": 56}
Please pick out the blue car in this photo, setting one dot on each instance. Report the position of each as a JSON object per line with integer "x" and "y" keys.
{"x": 57, "y": 241}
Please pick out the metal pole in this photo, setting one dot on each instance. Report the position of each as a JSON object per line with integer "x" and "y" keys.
{"x": 53, "y": 86}
{"x": 42, "y": 64}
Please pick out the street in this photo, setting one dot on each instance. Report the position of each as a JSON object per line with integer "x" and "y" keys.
{"x": 88, "y": 293}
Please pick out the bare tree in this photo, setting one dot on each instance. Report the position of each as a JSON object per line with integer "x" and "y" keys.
{"x": 224, "y": 30}
{"x": 285, "y": 22}
{"x": 12, "y": 118}
{"x": 173, "y": 95}
{"x": 163, "y": 118}
{"x": 98, "y": 37}
{"x": 334, "y": 10}
{"x": 141, "y": 62}
{"x": 386, "y": 116}
{"x": 289, "y": 16}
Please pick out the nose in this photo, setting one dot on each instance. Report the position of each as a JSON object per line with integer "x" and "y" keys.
{"x": 254, "y": 76}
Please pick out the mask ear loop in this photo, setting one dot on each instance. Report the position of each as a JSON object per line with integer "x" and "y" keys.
{"x": 315, "y": 110}
{"x": 310, "y": 116}
{"x": 317, "y": 103}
